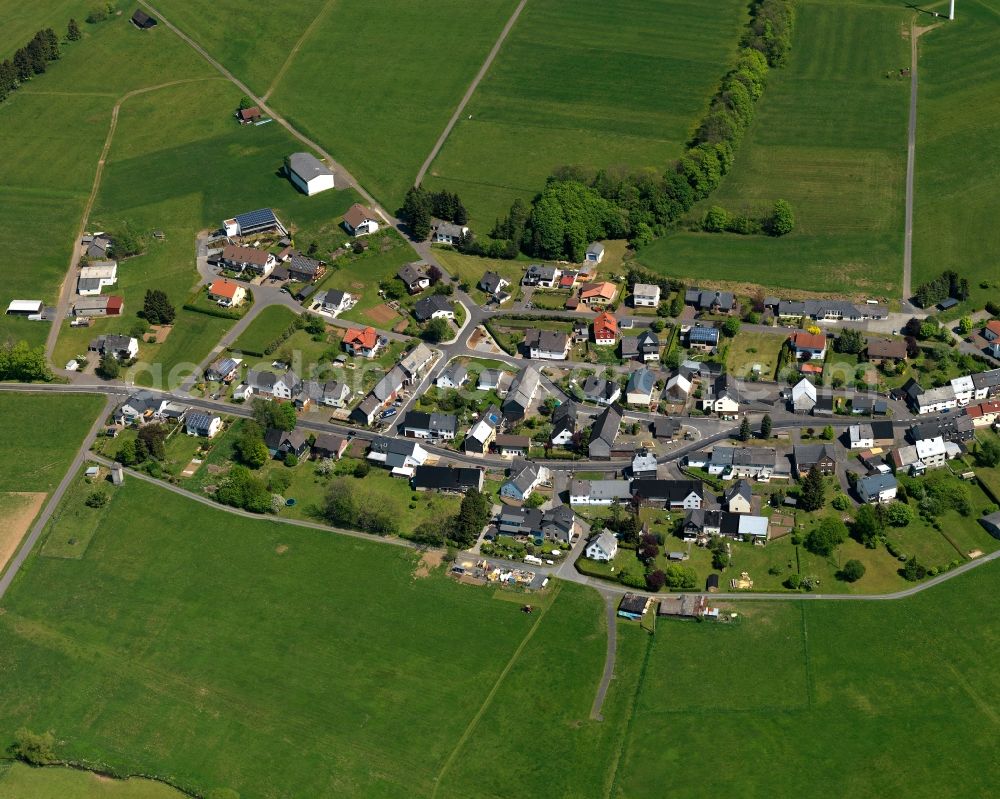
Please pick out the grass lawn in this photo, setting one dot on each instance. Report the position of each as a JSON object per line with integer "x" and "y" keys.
{"x": 470, "y": 269}
{"x": 384, "y": 131}
{"x": 270, "y": 323}
{"x": 957, "y": 193}
{"x": 39, "y": 434}
{"x": 276, "y": 684}
{"x": 19, "y": 781}
{"x": 841, "y": 164}
{"x": 71, "y": 529}
{"x": 574, "y": 85}
{"x": 749, "y": 349}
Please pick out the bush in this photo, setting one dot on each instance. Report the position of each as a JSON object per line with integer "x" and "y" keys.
{"x": 291, "y": 459}
{"x": 36, "y": 749}
{"x": 853, "y": 571}
{"x": 794, "y": 582}
{"x": 97, "y": 499}
{"x": 840, "y": 502}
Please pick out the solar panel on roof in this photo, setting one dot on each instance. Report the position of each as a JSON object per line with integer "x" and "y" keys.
{"x": 494, "y": 418}
{"x": 261, "y": 216}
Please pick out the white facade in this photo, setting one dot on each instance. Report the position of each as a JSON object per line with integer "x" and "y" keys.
{"x": 936, "y": 400}
{"x": 309, "y": 174}
{"x": 645, "y": 295}
{"x": 931, "y": 452}
{"x": 603, "y": 547}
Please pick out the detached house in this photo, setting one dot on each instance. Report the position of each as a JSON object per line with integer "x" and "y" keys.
{"x": 433, "y": 307}
{"x": 602, "y": 547}
{"x": 204, "y": 425}
{"x": 454, "y": 376}
{"x": 448, "y": 233}
{"x": 418, "y": 424}
{"x": 738, "y": 498}
{"x": 640, "y": 387}
{"x": 605, "y": 330}
{"x": 414, "y": 278}
{"x": 539, "y": 275}
{"x": 604, "y": 432}
{"x": 521, "y": 393}
{"x": 524, "y": 478}
{"x": 363, "y": 342}
{"x": 563, "y": 423}
{"x": 495, "y": 285}
{"x": 598, "y": 294}
{"x": 238, "y": 258}
{"x": 399, "y": 455}
{"x": 552, "y": 345}
{"x": 673, "y": 494}
{"x": 645, "y": 295}
{"x": 123, "y": 348}
{"x": 603, "y": 392}
{"x": 335, "y": 301}
{"x": 883, "y": 350}
{"x": 226, "y": 294}
{"x": 595, "y": 253}
{"x": 483, "y": 433}
{"x": 822, "y": 456}
{"x": 722, "y": 396}
{"x": 710, "y": 301}
{"x": 360, "y": 220}
{"x": 808, "y": 346}
{"x": 599, "y": 492}
{"x": 281, "y": 443}
{"x": 269, "y": 385}
{"x": 877, "y": 488}
{"x": 702, "y": 337}
{"x": 803, "y": 398}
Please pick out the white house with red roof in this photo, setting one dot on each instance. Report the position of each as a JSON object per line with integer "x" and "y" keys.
{"x": 227, "y": 294}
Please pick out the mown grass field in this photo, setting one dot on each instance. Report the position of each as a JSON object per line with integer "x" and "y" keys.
{"x": 39, "y": 433}
{"x": 22, "y": 782}
{"x": 590, "y": 84}
{"x": 829, "y": 137}
{"x": 266, "y": 328}
{"x": 957, "y": 193}
{"x": 377, "y": 87}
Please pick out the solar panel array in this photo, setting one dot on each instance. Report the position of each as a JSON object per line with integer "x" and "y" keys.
{"x": 262, "y": 216}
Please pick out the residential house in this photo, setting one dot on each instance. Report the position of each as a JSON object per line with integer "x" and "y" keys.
{"x": 678, "y": 388}
{"x": 936, "y": 400}
{"x": 884, "y": 350}
{"x": 931, "y": 451}
{"x": 736, "y": 462}
{"x": 308, "y": 173}
{"x": 492, "y": 380}
{"x": 645, "y": 295}
{"x": 237, "y": 258}
{"x": 808, "y": 346}
{"x": 253, "y": 223}
{"x": 363, "y": 342}
{"x": 415, "y": 362}
{"x": 639, "y": 390}
{"x": 95, "y": 277}
{"x": 248, "y": 116}
{"x": 552, "y": 345}
{"x": 520, "y": 522}
{"x": 454, "y": 376}
{"x": 224, "y": 370}
{"x": 702, "y": 337}
{"x": 508, "y": 446}
{"x": 335, "y": 301}
{"x": 964, "y": 389}
{"x": 722, "y": 396}
{"x": 909, "y": 392}
{"x": 955, "y": 428}
{"x": 594, "y": 254}
{"x": 495, "y": 285}
{"x": 403, "y": 454}
{"x": 598, "y": 294}
{"x": 665, "y": 428}
{"x": 542, "y": 276}
{"x": 987, "y": 384}
{"x": 483, "y": 433}
{"x": 906, "y": 459}
{"x": 414, "y": 277}
{"x": 361, "y": 220}
{"x": 97, "y": 248}
{"x": 985, "y": 414}
{"x": 448, "y": 233}
{"x": 707, "y": 301}
{"x": 633, "y": 606}
{"x": 603, "y": 392}
{"x": 366, "y": 410}
{"x": 672, "y": 494}
{"x": 303, "y": 269}
{"x": 434, "y": 307}
{"x": 865, "y": 405}
{"x": 861, "y": 436}
{"x": 450, "y": 479}
{"x": 560, "y": 524}
{"x": 644, "y": 347}
{"x": 123, "y": 348}
{"x": 269, "y": 385}
{"x": 803, "y": 398}
{"x": 827, "y": 310}
{"x": 204, "y": 425}
{"x": 599, "y": 492}
{"x": 521, "y": 394}
{"x": 140, "y": 408}
{"x": 564, "y": 419}
{"x": 877, "y": 488}
{"x": 991, "y": 332}
{"x": 332, "y": 394}
{"x": 329, "y": 445}
{"x": 604, "y": 432}
{"x": 605, "y": 330}
{"x": 226, "y": 294}
{"x": 630, "y": 347}
{"x": 523, "y": 478}
{"x": 644, "y": 464}
{"x": 281, "y": 443}
{"x": 602, "y": 547}
{"x": 738, "y": 498}
{"x": 418, "y": 424}
{"x": 822, "y": 456}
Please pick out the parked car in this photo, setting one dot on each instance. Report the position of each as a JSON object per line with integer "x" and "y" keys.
{"x": 389, "y": 413}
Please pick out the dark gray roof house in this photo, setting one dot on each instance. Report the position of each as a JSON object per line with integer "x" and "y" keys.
{"x": 429, "y": 306}
{"x": 604, "y": 432}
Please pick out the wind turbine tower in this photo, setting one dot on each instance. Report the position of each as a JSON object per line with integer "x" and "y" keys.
{"x": 951, "y": 10}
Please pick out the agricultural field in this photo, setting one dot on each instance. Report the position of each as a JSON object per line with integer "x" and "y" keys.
{"x": 381, "y": 117}
{"x": 18, "y": 781}
{"x": 865, "y": 679}
{"x": 39, "y": 434}
{"x": 957, "y": 193}
{"x": 305, "y": 699}
{"x": 573, "y": 85}
{"x": 829, "y": 137}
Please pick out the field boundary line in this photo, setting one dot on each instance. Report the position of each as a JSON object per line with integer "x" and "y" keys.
{"x": 626, "y": 733}
{"x": 609, "y": 658}
{"x": 469, "y": 92}
{"x": 295, "y": 50}
{"x": 493, "y": 691}
{"x": 62, "y": 306}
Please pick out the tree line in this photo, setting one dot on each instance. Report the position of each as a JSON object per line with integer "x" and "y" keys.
{"x": 780, "y": 222}
{"x": 947, "y": 284}
{"x": 578, "y": 206}
{"x": 32, "y": 59}
{"x": 22, "y": 363}
{"x": 421, "y": 205}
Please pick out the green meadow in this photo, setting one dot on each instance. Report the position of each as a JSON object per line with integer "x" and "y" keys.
{"x": 957, "y": 193}
{"x": 39, "y": 434}
{"x": 829, "y": 137}
{"x": 579, "y": 83}
{"x": 23, "y": 782}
